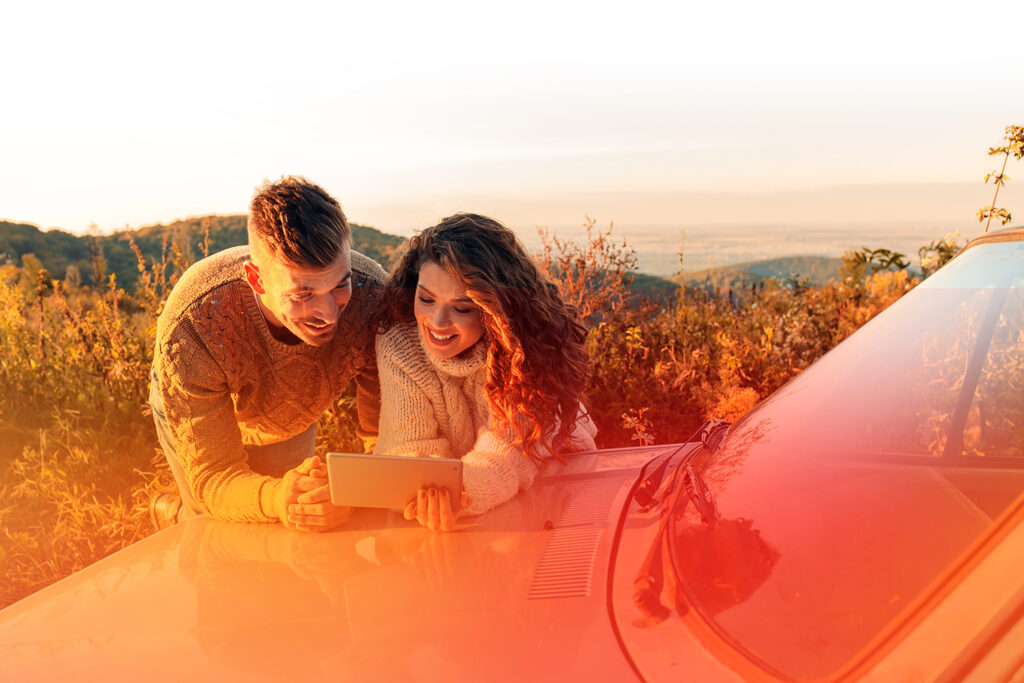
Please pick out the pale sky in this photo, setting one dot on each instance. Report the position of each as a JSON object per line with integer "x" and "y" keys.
{"x": 129, "y": 113}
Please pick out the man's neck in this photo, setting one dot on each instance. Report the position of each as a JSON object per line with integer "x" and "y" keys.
{"x": 277, "y": 331}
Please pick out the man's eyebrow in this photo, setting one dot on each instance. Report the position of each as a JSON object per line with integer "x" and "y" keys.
{"x": 306, "y": 289}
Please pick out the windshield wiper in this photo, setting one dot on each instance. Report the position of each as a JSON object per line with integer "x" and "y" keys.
{"x": 710, "y": 435}
{"x": 712, "y": 432}
{"x": 688, "y": 480}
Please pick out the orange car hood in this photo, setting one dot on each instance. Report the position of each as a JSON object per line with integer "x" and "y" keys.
{"x": 518, "y": 592}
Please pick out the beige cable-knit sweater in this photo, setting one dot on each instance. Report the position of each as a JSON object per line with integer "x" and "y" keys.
{"x": 437, "y": 407}
{"x": 227, "y": 383}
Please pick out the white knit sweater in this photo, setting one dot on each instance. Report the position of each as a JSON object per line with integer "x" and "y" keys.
{"x": 436, "y": 407}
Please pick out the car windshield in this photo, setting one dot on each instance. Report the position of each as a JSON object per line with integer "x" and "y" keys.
{"x": 830, "y": 509}
{"x": 941, "y": 373}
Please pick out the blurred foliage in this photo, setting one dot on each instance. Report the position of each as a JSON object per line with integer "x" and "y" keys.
{"x": 1014, "y": 146}
{"x": 860, "y": 263}
{"x": 79, "y": 459}
{"x": 594, "y": 277}
{"x": 939, "y": 252}
{"x": 659, "y": 371}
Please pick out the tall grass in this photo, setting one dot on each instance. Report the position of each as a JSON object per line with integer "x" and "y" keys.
{"x": 79, "y": 459}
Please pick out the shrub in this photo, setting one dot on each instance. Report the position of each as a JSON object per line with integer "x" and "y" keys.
{"x": 79, "y": 459}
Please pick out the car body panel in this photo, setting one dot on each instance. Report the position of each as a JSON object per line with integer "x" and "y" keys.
{"x": 917, "y": 636}
{"x": 513, "y": 592}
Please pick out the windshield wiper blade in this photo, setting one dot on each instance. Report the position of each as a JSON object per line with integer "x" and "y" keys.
{"x": 710, "y": 435}
{"x": 713, "y": 432}
{"x": 686, "y": 480}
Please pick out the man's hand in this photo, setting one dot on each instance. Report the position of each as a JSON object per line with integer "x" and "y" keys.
{"x": 433, "y": 509}
{"x": 302, "y": 499}
{"x": 314, "y": 511}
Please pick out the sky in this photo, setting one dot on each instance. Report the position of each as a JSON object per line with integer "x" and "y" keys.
{"x": 656, "y": 116}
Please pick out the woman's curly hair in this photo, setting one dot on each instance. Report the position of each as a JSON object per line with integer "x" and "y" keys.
{"x": 537, "y": 364}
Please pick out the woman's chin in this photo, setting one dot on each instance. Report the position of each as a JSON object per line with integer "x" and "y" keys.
{"x": 441, "y": 351}
{"x": 452, "y": 349}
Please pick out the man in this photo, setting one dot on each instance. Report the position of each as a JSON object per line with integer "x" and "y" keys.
{"x": 253, "y": 345}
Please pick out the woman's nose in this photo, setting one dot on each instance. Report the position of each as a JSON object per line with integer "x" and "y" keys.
{"x": 440, "y": 317}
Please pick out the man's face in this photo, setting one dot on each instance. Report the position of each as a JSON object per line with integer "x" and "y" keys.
{"x": 301, "y": 303}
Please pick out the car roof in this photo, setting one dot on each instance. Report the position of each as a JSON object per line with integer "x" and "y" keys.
{"x": 1013, "y": 234}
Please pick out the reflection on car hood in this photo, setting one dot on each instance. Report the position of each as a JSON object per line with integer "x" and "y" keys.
{"x": 512, "y": 593}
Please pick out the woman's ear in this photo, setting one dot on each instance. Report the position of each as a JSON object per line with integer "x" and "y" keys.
{"x": 253, "y": 277}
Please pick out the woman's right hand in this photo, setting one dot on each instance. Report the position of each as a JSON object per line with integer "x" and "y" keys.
{"x": 433, "y": 508}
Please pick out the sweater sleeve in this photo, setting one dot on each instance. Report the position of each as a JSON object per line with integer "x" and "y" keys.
{"x": 495, "y": 470}
{"x": 368, "y": 282}
{"x": 407, "y": 422}
{"x": 367, "y": 381}
{"x": 200, "y": 414}
{"x": 368, "y": 408}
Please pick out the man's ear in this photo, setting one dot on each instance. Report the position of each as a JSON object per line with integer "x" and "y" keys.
{"x": 253, "y": 277}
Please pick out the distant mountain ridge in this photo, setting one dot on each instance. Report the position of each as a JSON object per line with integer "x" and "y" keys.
{"x": 740, "y": 277}
{"x": 58, "y": 250}
{"x": 815, "y": 270}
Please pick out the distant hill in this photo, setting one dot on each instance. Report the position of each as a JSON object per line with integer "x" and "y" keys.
{"x": 812, "y": 270}
{"x": 815, "y": 270}
{"x": 57, "y": 249}
{"x": 652, "y": 288}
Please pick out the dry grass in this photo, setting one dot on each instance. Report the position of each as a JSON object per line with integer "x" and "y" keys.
{"x": 79, "y": 459}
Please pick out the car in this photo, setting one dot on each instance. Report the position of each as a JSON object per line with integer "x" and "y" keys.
{"x": 862, "y": 523}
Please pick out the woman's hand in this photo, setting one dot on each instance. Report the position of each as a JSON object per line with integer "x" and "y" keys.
{"x": 433, "y": 508}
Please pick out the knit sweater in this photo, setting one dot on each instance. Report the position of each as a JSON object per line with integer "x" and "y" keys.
{"x": 437, "y": 407}
{"x": 227, "y": 383}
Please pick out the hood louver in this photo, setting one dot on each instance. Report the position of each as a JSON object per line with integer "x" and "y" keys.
{"x": 566, "y": 566}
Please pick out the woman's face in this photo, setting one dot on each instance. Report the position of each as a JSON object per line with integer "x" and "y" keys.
{"x": 448, "y": 321}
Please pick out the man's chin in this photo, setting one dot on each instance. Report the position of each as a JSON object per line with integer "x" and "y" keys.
{"x": 314, "y": 337}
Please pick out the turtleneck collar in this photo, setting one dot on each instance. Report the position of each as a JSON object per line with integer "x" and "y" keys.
{"x": 463, "y": 365}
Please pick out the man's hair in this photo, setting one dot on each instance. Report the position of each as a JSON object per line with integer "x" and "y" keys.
{"x": 299, "y": 221}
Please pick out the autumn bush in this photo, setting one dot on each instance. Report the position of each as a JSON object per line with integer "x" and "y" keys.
{"x": 79, "y": 459}
{"x": 660, "y": 371}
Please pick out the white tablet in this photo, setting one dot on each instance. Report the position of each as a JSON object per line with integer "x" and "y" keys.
{"x": 389, "y": 481}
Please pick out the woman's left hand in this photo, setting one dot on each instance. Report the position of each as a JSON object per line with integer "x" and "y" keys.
{"x": 433, "y": 508}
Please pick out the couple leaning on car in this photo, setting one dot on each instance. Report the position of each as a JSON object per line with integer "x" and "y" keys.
{"x": 478, "y": 358}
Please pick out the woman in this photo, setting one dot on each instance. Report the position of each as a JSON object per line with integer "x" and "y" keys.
{"x": 479, "y": 359}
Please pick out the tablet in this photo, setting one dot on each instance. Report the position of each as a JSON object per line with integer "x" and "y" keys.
{"x": 389, "y": 481}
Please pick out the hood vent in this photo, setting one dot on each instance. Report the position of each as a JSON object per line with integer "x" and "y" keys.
{"x": 566, "y": 566}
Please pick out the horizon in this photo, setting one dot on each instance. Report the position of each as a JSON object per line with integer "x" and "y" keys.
{"x": 715, "y": 245}
{"x": 826, "y": 207}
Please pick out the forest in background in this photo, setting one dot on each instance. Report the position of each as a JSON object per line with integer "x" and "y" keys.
{"x": 79, "y": 460}
{"x": 92, "y": 258}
